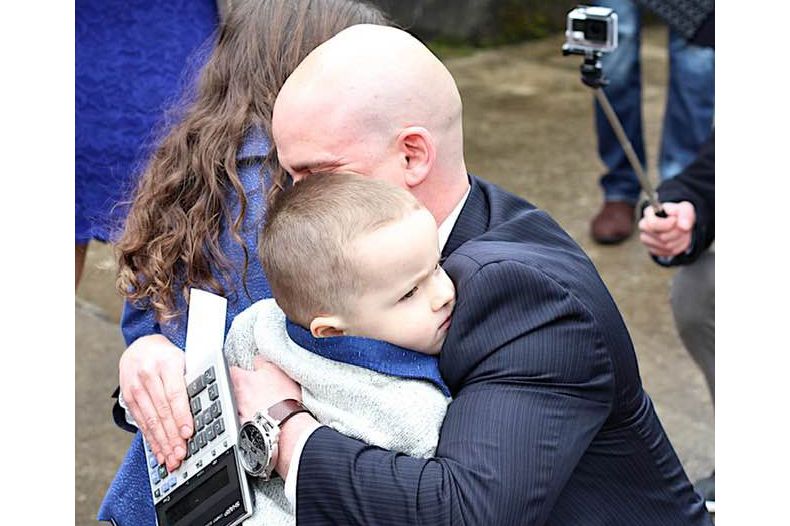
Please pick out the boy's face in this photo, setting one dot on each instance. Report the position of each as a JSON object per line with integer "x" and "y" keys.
{"x": 408, "y": 298}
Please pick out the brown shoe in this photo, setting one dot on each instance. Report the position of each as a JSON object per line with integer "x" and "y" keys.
{"x": 614, "y": 223}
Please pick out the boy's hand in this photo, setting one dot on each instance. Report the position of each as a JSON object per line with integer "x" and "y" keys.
{"x": 151, "y": 376}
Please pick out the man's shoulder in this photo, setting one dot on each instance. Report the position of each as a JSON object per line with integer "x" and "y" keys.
{"x": 530, "y": 305}
{"x": 524, "y": 244}
{"x": 529, "y": 239}
{"x": 512, "y": 224}
{"x": 512, "y": 235}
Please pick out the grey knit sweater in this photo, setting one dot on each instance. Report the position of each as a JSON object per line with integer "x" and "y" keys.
{"x": 386, "y": 411}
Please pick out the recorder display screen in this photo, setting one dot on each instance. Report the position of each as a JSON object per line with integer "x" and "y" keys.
{"x": 207, "y": 488}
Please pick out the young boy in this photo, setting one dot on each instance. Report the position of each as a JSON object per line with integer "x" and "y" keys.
{"x": 353, "y": 264}
{"x": 347, "y": 255}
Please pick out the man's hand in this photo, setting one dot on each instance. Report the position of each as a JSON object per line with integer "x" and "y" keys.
{"x": 669, "y": 236}
{"x": 260, "y": 389}
{"x": 151, "y": 376}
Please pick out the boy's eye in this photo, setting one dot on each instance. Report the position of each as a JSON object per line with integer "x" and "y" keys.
{"x": 409, "y": 294}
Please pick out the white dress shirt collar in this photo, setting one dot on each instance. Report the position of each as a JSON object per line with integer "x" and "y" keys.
{"x": 447, "y": 225}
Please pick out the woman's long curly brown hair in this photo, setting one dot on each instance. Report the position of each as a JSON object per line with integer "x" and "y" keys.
{"x": 170, "y": 241}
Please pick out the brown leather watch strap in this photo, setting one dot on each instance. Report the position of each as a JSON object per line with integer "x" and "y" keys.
{"x": 282, "y": 411}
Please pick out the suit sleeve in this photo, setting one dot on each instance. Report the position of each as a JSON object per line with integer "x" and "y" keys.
{"x": 533, "y": 385}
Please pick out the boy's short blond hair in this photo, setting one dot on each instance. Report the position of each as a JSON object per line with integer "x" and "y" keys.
{"x": 309, "y": 229}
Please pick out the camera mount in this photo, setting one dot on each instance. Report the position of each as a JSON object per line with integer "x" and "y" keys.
{"x": 591, "y": 69}
{"x": 593, "y": 77}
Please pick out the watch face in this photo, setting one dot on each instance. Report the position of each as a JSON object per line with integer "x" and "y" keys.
{"x": 254, "y": 448}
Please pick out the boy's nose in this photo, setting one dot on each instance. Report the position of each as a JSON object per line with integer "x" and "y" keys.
{"x": 444, "y": 291}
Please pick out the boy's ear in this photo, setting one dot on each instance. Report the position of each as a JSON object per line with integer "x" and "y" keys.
{"x": 327, "y": 326}
{"x": 418, "y": 152}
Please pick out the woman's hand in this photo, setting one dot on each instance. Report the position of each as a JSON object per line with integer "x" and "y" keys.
{"x": 151, "y": 376}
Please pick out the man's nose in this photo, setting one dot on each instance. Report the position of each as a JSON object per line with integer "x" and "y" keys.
{"x": 444, "y": 291}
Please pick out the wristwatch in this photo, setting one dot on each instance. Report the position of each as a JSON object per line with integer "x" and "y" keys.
{"x": 259, "y": 437}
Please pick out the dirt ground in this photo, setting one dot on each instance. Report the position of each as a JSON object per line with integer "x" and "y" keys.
{"x": 528, "y": 127}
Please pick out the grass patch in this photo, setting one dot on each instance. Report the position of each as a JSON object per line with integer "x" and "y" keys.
{"x": 449, "y": 48}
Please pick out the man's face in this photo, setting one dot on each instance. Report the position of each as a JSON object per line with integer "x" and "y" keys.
{"x": 408, "y": 298}
{"x": 304, "y": 150}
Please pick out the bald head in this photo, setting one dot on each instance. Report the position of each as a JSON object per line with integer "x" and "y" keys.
{"x": 375, "y": 101}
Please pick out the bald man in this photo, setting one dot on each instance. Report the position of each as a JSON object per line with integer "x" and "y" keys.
{"x": 549, "y": 423}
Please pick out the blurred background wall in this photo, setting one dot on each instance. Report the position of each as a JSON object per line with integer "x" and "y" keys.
{"x": 478, "y": 22}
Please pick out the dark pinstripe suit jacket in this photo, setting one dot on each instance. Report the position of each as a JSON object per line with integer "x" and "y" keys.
{"x": 549, "y": 422}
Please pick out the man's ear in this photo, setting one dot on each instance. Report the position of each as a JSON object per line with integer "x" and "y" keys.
{"x": 327, "y": 326}
{"x": 418, "y": 151}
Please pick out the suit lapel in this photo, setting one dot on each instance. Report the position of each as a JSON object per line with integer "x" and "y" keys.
{"x": 472, "y": 221}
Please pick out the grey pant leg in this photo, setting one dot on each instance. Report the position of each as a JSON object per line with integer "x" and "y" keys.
{"x": 693, "y": 306}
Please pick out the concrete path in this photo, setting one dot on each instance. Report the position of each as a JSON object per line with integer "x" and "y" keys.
{"x": 528, "y": 127}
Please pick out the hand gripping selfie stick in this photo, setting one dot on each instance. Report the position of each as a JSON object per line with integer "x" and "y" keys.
{"x": 592, "y": 77}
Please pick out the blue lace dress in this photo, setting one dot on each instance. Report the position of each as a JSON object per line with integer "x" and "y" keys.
{"x": 132, "y": 59}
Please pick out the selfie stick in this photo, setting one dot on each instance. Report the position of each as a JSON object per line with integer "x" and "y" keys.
{"x": 592, "y": 77}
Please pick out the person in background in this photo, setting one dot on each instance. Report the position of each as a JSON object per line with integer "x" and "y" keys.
{"x": 130, "y": 62}
{"x": 688, "y": 115}
{"x": 685, "y": 239}
{"x": 195, "y": 219}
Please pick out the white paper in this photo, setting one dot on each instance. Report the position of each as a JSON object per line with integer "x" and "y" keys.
{"x": 205, "y": 329}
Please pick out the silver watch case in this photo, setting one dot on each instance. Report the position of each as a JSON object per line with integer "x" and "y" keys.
{"x": 258, "y": 441}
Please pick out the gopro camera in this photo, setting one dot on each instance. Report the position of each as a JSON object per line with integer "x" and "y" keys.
{"x": 590, "y": 29}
